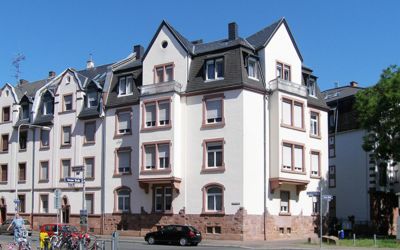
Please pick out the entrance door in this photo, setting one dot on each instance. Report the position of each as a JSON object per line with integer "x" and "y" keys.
{"x": 3, "y": 213}
{"x": 65, "y": 214}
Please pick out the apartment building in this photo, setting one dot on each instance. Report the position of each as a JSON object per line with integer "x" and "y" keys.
{"x": 228, "y": 136}
{"x": 372, "y": 201}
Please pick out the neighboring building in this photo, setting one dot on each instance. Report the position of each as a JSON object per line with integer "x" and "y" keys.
{"x": 360, "y": 187}
{"x": 227, "y": 136}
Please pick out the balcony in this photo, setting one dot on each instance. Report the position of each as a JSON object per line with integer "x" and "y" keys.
{"x": 288, "y": 86}
{"x": 275, "y": 183}
{"x": 145, "y": 183}
{"x": 159, "y": 88}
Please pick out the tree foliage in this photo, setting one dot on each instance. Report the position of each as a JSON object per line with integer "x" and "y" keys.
{"x": 378, "y": 110}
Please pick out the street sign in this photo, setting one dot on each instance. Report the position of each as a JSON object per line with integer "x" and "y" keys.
{"x": 314, "y": 193}
{"x": 77, "y": 168}
{"x": 327, "y": 197}
{"x": 73, "y": 179}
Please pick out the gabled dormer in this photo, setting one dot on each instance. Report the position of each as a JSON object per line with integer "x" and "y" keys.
{"x": 47, "y": 104}
{"x": 92, "y": 101}
{"x": 25, "y": 108}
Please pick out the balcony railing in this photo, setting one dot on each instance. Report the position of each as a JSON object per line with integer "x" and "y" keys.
{"x": 288, "y": 86}
{"x": 159, "y": 88}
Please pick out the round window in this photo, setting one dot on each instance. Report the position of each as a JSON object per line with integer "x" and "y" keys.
{"x": 164, "y": 44}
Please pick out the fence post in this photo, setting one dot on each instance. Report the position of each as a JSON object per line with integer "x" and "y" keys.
{"x": 354, "y": 239}
{"x": 375, "y": 240}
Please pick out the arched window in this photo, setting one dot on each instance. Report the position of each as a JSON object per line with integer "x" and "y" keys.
{"x": 213, "y": 198}
{"x": 123, "y": 199}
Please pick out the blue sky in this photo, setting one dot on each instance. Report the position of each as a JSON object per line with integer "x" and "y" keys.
{"x": 341, "y": 40}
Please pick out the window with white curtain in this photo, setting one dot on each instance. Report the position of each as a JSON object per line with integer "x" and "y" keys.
{"x": 214, "y": 199}
{"x": 89, "y": 167}
{"x": 314, "y": 120}
{"x": 287, "y": 156}
{"x": 298, "y": 158}
{"x": 315, "y": 163}
{"x": 157, "y": 113}
{"x": 124, "y": 161}
{"x": 163, "y": 156}
{"x": 125, "y": 85}
{"x": 252, "y": 69}
{"x": 163, "y": 113}
{"x": 287, "y": 112}
{"x": 150, "y": 114}
{"x": 213, "y": 110}
{"x": 150, "y": 152}
{"x": 292, "y": 157}
{"x": 298, "y": 115}
{"x": 292, "y": 113}
{"x": 124, "y": 122}
{"x": 215, "y": 69}
{"x": 285, "y": 195}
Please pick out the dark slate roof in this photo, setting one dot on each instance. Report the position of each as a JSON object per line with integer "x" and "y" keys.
{"x": 221, "y": 44}
{"x": 97, "y": 74}
{"x": 88, "y": 113}
{"x": 235, "y": 73}
{"x": 29, "y": 89}
{"x": 44, "y": 119}
{"x": 127, "y": 66}
{"x": 260, "y": 38}
{"x": 334, "y": 94}
{"x": 21, "y": 121}
{"x": 319, "y": 101}
{"x": 113, "y": 100}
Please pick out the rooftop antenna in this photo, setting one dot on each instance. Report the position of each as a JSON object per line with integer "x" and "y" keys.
{"x": 17, "y": 64}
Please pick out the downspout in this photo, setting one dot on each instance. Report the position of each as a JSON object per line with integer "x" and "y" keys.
{"x": 103, "y": 146}
{"x": 33, "y": 175}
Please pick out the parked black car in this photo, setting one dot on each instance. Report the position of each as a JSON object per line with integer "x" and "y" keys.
{"x": 181, "y": 234}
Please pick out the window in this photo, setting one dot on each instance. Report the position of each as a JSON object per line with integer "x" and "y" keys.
{"x": 332, "y": 147}
{"x": 66, "y": 136}
{"x": 21, "y": 172}
{"x": 162, "y": 199}
{"x": 89, "y": 167}
{"x": 164, "y": 73}
{"x": 44, "y": 171}
{"x": 311, "y": 87}
{"x": 23, "y": 137}
{"x": 332, "y": 176}
{"x": 315, "y": 205}
{"x": 213, "y": 111}
{"x": 21, "y": 198}
{"x": 4, "y": 142}
{"x": 89, "y": 198}
{"x": 44, "y": 200}
{"x": 92, "y": 99}
{"x": 252, "y": 68}
{"x": 314, "y": 124}
{"x": 4, "y": 173}
{"x": 215, "y": 69}
{"x": 125, "y": 85}
{"x": 214, "y": 199}
{"x": 285, "y": 196}
{"x": 124, "y": 122}
{"x": 157, "y": 156}
{"x": 124, "y": 200}
{"x": 90, "y": 131}
{"x": 25, "y": 111}
{"x": 44, "y": 138}
{"x": 315, "y": 163}
{"x": 48, "y": 105}
{"x": 124, "y": 161}
{"x": 6, "y": 114}
{"x": 215, "y": 154}
{"x": 157, "y": 114}
{"x": 292, "y": 113}
{"x": 65, "y": 168}
{"x": 214, "y": 230}
{"x": 67, "y": 103}
{"x": 283, "y": 71}
{"x": 292, "y": 157}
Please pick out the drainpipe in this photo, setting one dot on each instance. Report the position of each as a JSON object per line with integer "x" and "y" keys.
{"x": 103, "y": 140}
{"x": 33, "y": 175}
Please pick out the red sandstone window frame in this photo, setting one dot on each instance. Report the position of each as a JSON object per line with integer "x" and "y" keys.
{"x": 116, "y": 162}
{"x": 216, "y": 169}
{"x": 164, "y": 69}
{"x": 221, "y": 98}
{"x": 205, "y": 203}
{"x": 280, "y": 203}
{"x": 293, "y": 145}
{"x": 87, "y": 142}
{"x": 315, "y": 152}
{"x": 4, "y": 112}
{"x": 41, "y": 180}
{"x": 4, "y": 149}
{"x": 163, "y": 197}
{"x": 2, "y": 181}
{"x": 41, "y": 203}
{"x": 157, "y": 125}
{"x": 318, "y": 114}
{"x": 116, "y": 208}
{"x": 119, "y": 112}
{"x": 21, "y": 166}
{"x": 293, "y": 102}
{"x": 157, "y": 168}
{"x": 90, "y": 178}
{"x": 43, "y": 147}
{"x": 63, "y": 144}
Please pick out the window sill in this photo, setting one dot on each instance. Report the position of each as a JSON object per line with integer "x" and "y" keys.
{"x": 22, "y": 150}
{"x": 66, "y": 112}
{"x": 293, "y": 127}
{"x": 213, "y": 80}
{"x": 65, "y": 146}
{"x": 89, "y": 178}
{"x": 149, "y": 129}
{"x": 89, "y": 143}
{"x": 43, "y": 181}
{"x": 3, "y": 152}
{"x": 254, "y": 78}
{"x": 121, "y": 174}
{"x": 119, "y": 95}
{"x": 155, "y": 171}
{"x": 213, "y": 213}
{"x": 22, "y": 182}
{"x": 118, "y": 135}
{"x": 3, "y": 182}
{"x": 316, "y": 137}
{"x": 292, "y": 172}
{"x": 215, "y": 170}
{"x": 315, "y": 177}
{"x": 285, "y": 214}
{"x": 213, "y": 125}
{"x": 44, "y": 148}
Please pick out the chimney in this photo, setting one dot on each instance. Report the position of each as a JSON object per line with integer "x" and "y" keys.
{"x": 233, "y": 31}
{"x": 353, "y": 84}
{"x": 139, "y": 50}
{"x": 90, "y": 63}
{"x": 52, "y": 74}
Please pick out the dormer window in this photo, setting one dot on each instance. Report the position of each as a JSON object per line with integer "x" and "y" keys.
{"x": 215, "y": 69}
{"x": 164, "y": 73}
{"x": 25, "y": 110}
{"x": 311, "y": 87}
{"x": 252, "y": 69}
{"x": 125, "y": 85}
{"x": 92, "y": 99}
{"x": 47, "y": 107}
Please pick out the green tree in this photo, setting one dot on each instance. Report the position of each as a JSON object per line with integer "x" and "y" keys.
{"x": 378, "y": 111}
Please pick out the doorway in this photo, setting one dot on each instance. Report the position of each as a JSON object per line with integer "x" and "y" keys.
{"x": 66, "y": 210}
{"x": 3, "y": 210}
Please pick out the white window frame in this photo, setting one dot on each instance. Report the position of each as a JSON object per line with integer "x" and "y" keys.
{"x": 284, "y": 205}
{"x": 281, "y": 70}
{"x": 126, "y": 199}
{"x": 214, "y": 197}
{"x": 314, "y": 123}
{"x": 215, "y": 152}
{"x": 252, "y": 62}
{"x": 127, "y": 130}
{"x": 156, "y": 122}
{"x": 162, "y": 196}
{"x": 217, "y": 119}
{"x": 92, "y": 96}
{"x": 214, "y": 62}
{"x": 128, "y": 168}
{"x": 43, "y": 208}
{"x": 128, "y": 87}
{"x": 311, "y": 88}
{"x": 312, "y": 167}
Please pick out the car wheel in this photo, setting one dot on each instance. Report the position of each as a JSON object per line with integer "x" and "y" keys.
{"x": 183, "y": 242}
{"x": 151, "y": 240}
